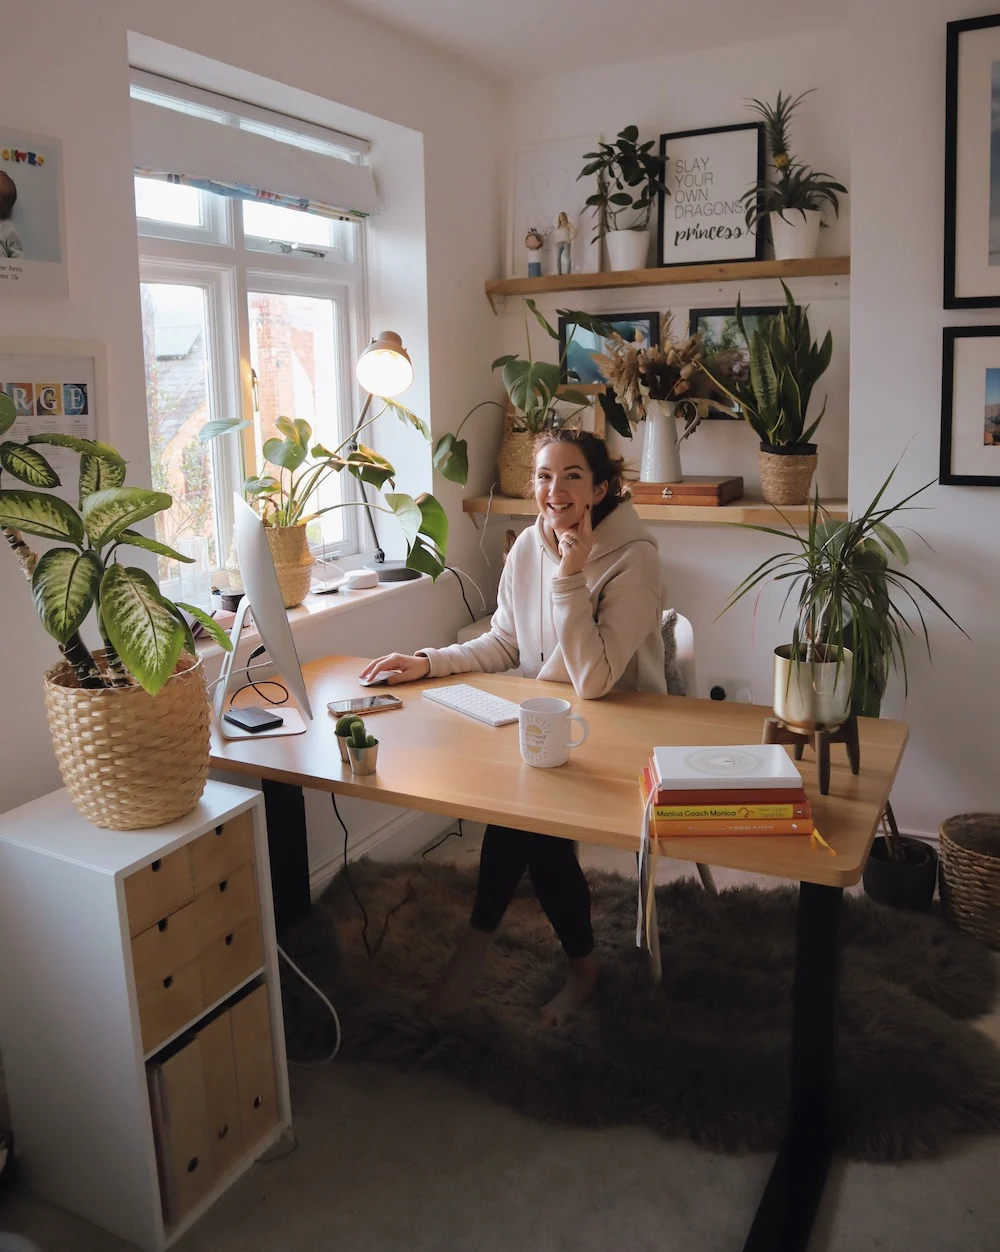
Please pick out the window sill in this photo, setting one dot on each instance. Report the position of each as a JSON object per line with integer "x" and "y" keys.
{"x": 317, "y": 607}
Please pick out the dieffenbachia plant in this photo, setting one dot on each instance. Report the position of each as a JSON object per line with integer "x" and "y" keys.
{"x": 144, "y": 633}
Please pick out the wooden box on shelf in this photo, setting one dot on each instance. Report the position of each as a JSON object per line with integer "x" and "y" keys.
{"x": 695, "y": 489}
{"x": 140, "y": 1012}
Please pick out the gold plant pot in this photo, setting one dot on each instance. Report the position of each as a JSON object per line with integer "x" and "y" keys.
{"x": 293, "y": 562}
{"x": 813, "y": 694}
{"x": 786, "y": 476}
{"x": 130, "y": 760}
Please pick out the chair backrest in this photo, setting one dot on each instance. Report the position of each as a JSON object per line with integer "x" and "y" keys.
{"x": 684, "y": 644}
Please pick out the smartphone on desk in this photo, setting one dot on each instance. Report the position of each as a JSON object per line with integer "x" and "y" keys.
{"x": 364, "y": 704}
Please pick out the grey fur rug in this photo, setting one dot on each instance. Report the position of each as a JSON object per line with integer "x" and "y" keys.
{"x": 704, "y": 1057}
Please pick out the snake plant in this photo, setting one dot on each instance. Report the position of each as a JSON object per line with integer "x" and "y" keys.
{"x": 144, "y": 633}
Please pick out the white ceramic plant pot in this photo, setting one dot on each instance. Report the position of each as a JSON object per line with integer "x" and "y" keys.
{"x": 661, "y": 457}
{"x": 796, "y": 235}
{"x": 811, "y": 694}
{"x": 627, "y": 249}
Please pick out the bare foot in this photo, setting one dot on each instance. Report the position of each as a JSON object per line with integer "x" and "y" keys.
{"x": 576, "y": 991}
{"x": 453, "y": 993}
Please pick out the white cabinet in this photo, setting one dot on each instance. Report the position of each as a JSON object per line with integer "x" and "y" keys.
{"x": 140, "y": 1011}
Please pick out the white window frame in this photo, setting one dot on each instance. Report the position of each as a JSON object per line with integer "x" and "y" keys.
{"x": 238, "y": 269}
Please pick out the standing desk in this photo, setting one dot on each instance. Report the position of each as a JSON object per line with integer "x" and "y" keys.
{"x": 436, "y": 760}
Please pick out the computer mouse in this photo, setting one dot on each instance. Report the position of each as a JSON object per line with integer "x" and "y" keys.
{"x": 380, "y": 679}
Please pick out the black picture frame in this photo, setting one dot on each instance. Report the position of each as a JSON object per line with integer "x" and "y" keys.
{"x": 949, "y": 420}
{"x": 585, "y": 342}
{"x": 741, "y": 184}
{"x": 953, "y": 192}
{"x": 697, "y": 318}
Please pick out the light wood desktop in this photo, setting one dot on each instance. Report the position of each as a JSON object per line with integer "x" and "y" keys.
{"x": 435, "y": 759}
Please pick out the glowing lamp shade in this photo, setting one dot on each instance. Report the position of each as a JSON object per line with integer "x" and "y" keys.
{"x": 384, "y": 369}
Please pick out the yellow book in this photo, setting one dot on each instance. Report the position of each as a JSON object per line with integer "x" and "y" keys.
{"x": 724, "y": 812}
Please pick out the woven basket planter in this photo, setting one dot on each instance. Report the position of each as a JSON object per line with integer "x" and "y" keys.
{"x": 130, "y": 760}
{"x": 293, "y": 562}
{"x": 515, "y": 464}
{"x": 970, "y": 874}
{"x": 786, "y": 477}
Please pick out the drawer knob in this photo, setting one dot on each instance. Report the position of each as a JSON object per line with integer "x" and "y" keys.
{"x": 258, "y": 1101}
{"x": 162, "y": 924}
{"x": 219, "y": 830}
{"x": 155, "y": 866}
{"x": 192, "y": 1165}
{"x": 223, "y": 1130}
{"x": 224, "y": 884}
{"x": 168, "y": 981}
{"x": 229, "y": 940}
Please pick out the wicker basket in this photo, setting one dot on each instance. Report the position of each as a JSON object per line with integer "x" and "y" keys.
{"x": 293, "y": 562}
{"x": 970, "y": 874}
{"x": 516, "y": 463}
{"x": 786, "y": 479}
{"x": 130, "y": 760}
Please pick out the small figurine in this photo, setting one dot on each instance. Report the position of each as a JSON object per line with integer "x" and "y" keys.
{"x": 563, "y": 236}
{"x": 534, "y": 241}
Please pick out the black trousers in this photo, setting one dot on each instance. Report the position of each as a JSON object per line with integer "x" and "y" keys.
{"x": 556, "y": 875}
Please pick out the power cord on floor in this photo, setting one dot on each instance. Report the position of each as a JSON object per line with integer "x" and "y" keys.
{"x": 444, "y": 838}
{"x": 333, "y": 1012}
{"x": 347, "y": 875}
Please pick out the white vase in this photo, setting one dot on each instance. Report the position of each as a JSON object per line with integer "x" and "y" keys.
{"x": 661, "y": 458}
{"x": 627, "y": 249}
{"x": 796, "y": 235}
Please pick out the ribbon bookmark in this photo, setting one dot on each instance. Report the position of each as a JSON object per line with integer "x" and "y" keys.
{"x": 817, "y": 841}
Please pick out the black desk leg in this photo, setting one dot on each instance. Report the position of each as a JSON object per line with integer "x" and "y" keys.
{"x": 285, "y": 807}
{"x": 785, "y": 1216}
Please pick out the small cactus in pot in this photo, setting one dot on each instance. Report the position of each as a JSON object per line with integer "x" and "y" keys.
{"x": 343, "y": 730}
{"x": 362, "y": 749}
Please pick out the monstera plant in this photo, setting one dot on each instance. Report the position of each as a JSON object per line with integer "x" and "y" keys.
{"x": 144, "y": 633}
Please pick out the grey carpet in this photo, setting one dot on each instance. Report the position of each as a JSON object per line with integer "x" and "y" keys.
{"x": 704, "y": 1056}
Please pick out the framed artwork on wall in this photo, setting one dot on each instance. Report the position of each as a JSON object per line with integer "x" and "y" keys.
{"x": 972, "y": 165}
{"x": 706, "y": 172}
{"x": 641, "y": 328}
{"x": 543, "y": 185}
{"x": 724, "y": 350}
{"x": 970, "y": 407}
{"x": 32, "y": 216}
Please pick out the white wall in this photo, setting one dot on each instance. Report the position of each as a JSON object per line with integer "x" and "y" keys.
{"x": 328, "y": 53}
{"x": 896, "y": 116}
{"x": 701, "y": 564}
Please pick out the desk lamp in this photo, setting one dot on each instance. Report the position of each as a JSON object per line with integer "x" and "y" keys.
{"x": 384, "y": 369}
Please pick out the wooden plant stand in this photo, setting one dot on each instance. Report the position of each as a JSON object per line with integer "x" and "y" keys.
{"x": 775, "y": 731}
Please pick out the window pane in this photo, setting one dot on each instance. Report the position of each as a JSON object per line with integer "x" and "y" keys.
{"x": 271, "y": 221}
{"x": 167, "y": 202}
{"x": 293, "y": 349}
{"x": 178, "y": 403}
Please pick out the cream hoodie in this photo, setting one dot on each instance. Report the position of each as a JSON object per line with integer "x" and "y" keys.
{"x": 598, "y": 629}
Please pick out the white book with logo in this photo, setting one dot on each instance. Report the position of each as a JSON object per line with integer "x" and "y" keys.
{"x": 755, "y": 765}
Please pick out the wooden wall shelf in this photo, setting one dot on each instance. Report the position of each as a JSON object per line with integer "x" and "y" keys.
{"x": 747, "y": 510}
{"x": 735, "y": 271}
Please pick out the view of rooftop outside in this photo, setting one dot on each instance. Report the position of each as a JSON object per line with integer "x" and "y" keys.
{"x": 178, "y": 402}
{"x": 293, "y": 350}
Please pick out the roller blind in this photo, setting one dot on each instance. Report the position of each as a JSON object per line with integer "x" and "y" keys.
{"x": 242, "y": 151}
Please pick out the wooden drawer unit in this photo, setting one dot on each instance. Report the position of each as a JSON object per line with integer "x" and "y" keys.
{"x": 165, "y": 1079}
{"x": 158, "y": 889}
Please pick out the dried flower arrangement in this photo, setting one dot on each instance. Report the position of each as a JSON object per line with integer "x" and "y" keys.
{"x": 668, "y": 372}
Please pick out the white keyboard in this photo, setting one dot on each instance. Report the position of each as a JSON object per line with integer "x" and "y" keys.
{"x": 492, "y": 710}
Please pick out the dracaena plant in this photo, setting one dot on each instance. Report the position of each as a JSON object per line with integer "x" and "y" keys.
{"x": 534, "y": 388}
{"x": 287, "y": 496}
{"x": 794, "y": 186}
{"x": 144, "y": 633}
{"x": 785, "y": 365}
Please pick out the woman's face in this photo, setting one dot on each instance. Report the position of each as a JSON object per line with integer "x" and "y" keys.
{"x": 564, "y": 486}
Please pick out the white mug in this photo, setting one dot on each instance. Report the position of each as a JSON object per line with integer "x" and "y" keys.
{"x": 544, "y": 726}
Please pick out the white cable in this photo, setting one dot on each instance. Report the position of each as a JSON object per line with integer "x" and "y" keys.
{"x": 333, "y": 1012}
{"x": 486, "y": 522}
{"x": 458, "y": 571}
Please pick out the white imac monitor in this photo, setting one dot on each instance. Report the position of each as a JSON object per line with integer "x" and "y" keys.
{"x": 262, "y": 597}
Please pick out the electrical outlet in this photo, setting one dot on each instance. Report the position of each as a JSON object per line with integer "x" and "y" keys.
{"x": 737, "y": 690}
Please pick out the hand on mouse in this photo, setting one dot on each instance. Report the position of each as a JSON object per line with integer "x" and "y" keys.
{"x": 411, "y": 668}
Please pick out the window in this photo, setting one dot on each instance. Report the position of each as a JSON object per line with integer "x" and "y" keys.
{"x": 249, "y": 309}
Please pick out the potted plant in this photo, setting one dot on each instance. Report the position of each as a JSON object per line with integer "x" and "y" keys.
{"x": 286, "y": 498}
{"x": 793, "y": 201}
{"x": 534, "y": 392}
{"x": 785, "y": 363}
{"x": 849, "y": 633}
{"x": 362, "y": 749}
{"x": 629, "y": 175}
{"x": 342, "y": 730}
{"x": 129, "y": 722}
{"x": 655, "y": 384}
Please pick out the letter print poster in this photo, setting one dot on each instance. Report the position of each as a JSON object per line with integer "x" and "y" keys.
{"x": 52, "y": 395}
{"x": 706, "y": 172}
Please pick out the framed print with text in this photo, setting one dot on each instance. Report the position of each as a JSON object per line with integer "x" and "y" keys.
{"x": 706, "y": 173}
{"x": 970, "y": 407}
{"x": 972, "y": 165}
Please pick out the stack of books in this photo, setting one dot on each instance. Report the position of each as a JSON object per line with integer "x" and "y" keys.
{"x": 749, "y": 789}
